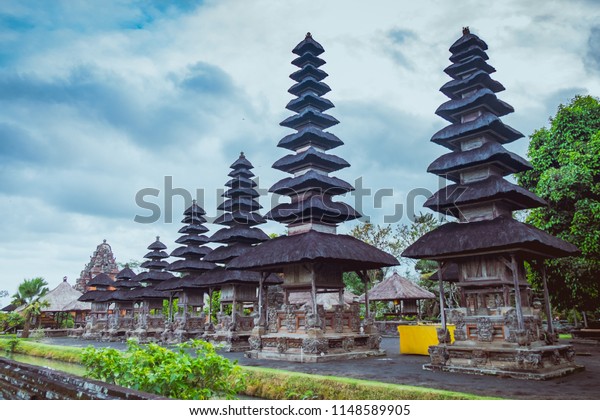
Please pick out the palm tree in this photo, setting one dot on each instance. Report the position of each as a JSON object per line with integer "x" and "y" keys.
{"x": 29, "y": 293}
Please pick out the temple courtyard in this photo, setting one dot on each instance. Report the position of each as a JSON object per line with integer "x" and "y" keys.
{"x": 407, "y": 369}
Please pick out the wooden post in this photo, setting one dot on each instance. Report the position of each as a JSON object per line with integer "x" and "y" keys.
{"x": 261, "y": 282}
{"x": 341, "y": 297}
{"x": 365, "y": 278}
{"x": 519, "y": 307}
{"x": 547, "y": 300}
{"x": 441, "y": 293}
{"x": 234, "y": 308}
{"x": 210, "y": 294}
{"x": 313, "y": 290}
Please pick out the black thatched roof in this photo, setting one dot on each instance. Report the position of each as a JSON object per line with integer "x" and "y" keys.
{"x": 316, "y": 208}
{"x": 101, "y": 280}
{"x": 485, "y": 98}
{"x": 94, "y": 295}
{"x": 492, "y": 153}
{"x": 310, "y": 136}
{"x": 242, "y": 234}
{"x": 125, "y": 274}
{"x": 189, "y": 266}
{"x": 396, "y": 287}
{"x": 467, "y": 41}
{"x": 479, "y": 78}
{"x": 473, "y": 50}
{"x": 309, "y": 99}
{"x": 311, "y": 180}
{"x": 153, "y": 276}
{"x": 502, "y": 234}
{"x": 449, "y": 273}
{"x": 449, "y": 199}
{"x": 487, "y": 123}
{"x": 344, "y": 251}
{"x": 221, "y": 276}
{"x": 465, "y": 66}
{"x": 308, "y": 70}
{"x": 226, "y": 253}
{"x": 311, "y": 157}
{"x": 308, "y": 45}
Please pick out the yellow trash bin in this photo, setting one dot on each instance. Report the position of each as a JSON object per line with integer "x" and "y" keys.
{"x": 416, "y": 339}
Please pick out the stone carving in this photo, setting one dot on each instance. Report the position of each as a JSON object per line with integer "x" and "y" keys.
{"x": 315, "y": 345}
{"x": 290, "y": 318}
{"x": 281, "y": 344}
{"x": 480, "y": 357}
{"x": 570, "y": 354}
{"x": 458, "y": 319}
{"x": 443, "y": 336}
{"x": 255, "y": 342}
{"x": 272, "y": 320}
{"x": 556, "y": 359}
{"x": 511, "y": 324}
{"x": 438, "y": 355}
{"x": 355, "y": 317}
{"x": 374, "y": 341}
{"x": 485, "y": 329}
{"x": 529, "y": 360}
{"x": 338, "y": 319}
{"x": 348, "y": 344}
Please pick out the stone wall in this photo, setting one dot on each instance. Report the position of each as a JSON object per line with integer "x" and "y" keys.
{"x": 20, "y": 381}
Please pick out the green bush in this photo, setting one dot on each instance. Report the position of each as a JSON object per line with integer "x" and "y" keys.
{"x": 179, "y": 373}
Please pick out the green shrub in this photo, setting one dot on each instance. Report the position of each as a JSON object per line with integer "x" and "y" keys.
{"x": 176, "y": 373}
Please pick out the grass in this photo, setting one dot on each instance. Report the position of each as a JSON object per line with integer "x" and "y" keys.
{"x": 565, "y": 336}
{"x": 277, "y": 384}
{"x": 48, "y": 351}
{"x": 284, "y": 385}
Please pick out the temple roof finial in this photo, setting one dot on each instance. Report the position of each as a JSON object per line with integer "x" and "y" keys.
{"x": 308, "y": 35}
{"x": 466, "y": 30}
{"x": 242, "y": 155}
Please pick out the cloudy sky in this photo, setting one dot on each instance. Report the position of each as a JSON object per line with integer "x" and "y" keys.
{"x": 105, "y": 101}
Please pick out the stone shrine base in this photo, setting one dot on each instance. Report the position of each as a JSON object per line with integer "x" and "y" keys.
{"x": 536, "y": 362}
{"x": 303, "y": 348}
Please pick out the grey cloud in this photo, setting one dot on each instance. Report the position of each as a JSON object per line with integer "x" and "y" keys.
{"x": 592, "y": 57}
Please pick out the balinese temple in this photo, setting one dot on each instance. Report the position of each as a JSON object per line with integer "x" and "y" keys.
{"x": 121, "y": 319}
{"x": 98, "y": 289}
{"x": 312, "y": 256}
{"x": 498, "y": 328}
{"x": 101, "y": 261}
{"x": 189, "y": 321}
{"x": 148, "y": 302}
{"x": 239, "y": 296}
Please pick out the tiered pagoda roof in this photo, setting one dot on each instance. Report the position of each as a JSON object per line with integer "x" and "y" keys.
{"x": 99, "y": 288}
{"x": 311, "y": 215}
{"x": 193, "y": 250}
{"x": 155, "y": 275}
{"x": 481, "y": 198}
{"x": 123, "y": 284}
{"x": 239, "y": 234}
{"x": 310, "y": 187}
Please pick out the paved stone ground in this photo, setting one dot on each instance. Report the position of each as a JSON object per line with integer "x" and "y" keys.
{"x": 407, "y": 369}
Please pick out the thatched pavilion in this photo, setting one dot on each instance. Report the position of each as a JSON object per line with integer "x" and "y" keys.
{"x": 498, "y": 330}
{"x": 402, "y": 292}
{"x": 63, "y": 302}
{"x": 312, "y": 256}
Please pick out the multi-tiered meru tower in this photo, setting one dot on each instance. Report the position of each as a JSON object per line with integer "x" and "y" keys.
{"x": 498, "y": 328}
{"x": 311, "y": 256}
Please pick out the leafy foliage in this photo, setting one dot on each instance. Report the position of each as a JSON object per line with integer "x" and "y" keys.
{"x": 191, "y": 370}
{"x": 29, "y": 293}
{"x": 10, "y": 321}
{"x": 566, "y": 173}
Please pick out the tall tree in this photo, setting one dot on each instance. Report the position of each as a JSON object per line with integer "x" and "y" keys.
{"x": 29, "y": 293}
{"x": 566, "y": 173}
